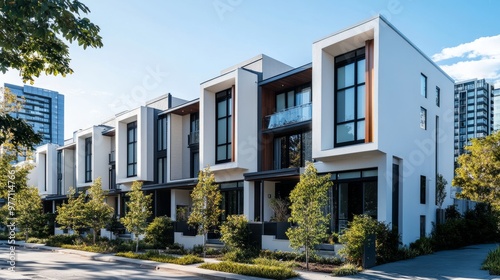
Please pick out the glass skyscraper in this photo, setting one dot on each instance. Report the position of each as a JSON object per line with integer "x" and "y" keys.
{"x": 43, "y": 109}
{"x": 496, "y": 109}
{"x": 473, "y": 112}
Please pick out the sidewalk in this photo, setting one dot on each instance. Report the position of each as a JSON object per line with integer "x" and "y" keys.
{"x": 461, "y": 264}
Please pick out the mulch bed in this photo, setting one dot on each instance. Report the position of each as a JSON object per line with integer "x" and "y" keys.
{"x": 317, "y": 267}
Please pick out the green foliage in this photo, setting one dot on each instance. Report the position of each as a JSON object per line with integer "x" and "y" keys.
{"x": 295, "y": 256}
{"x": 29, "y": 211}
{"x": 274, "y": 262}
{"x": 354, "y": 237}
{"x": 32, "y": 35}
{"x": 15, "y": 132}
{"x": 451, "y": 212}
{"x": 477, "y": 174}
{"x": 157, "y": 257}
{"x": 159, "y": 232}
{"x": 346, "y": 270}
{"x": 492, "y": 262}
{"x": 423, "y": 246}
{"x": 206, "y": 199}
{"x": 271, "y": 272}
{"x": 235, "y": 233}
{"x": 440, "y": 190}
{"x": 139, "y": 210}
{"x": 58, "y": 240}
{"x": 36, "y": 240}
{"x": 97, "y": 212}
{"x": 238, "y": 255}
{"x": 99, "y": 247}
{"x": 71, "y": 215}
{"x": 308, "y": 199}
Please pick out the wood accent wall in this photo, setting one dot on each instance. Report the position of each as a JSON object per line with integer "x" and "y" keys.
{"x": 369, "y": 52}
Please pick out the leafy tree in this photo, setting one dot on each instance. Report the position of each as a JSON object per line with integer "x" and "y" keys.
{"x": 478, "y": 173}
{"x": 139, "y": 210}
{"x": 308, "y": 199}
{"x": 32, "y": 35}
{"x": 29, "y": 211}
{"x": 440, "y": 190}
{"x": 235, "y": 233}
{"x": 206, "y": 198}
{"x": 159, "y": 232}
{"x": 13, "y": 178}
{"x": 98, "y": 213}
{"x": 71, "y": 215}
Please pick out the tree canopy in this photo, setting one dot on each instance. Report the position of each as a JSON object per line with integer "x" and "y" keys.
{"x": 478, "y": 174}
{"x": 98, "y": 213}
{"x": 71, "y": 215}
{"x": 139, "y": 210}
{"x": 34, "y": 34}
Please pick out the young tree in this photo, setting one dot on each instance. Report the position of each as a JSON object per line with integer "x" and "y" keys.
{"x": 139, "y": 210}
{"x": 308, "y": 199}
{"x": 29, "y": 211}
{"x": 97, "y": 212}
{"x": 440, "y": 190}
{"x": 206, "y": 198}
{"x": 71, "y": 215}
{"x": 32, "y": 35}
{"x": 477, "y": 174}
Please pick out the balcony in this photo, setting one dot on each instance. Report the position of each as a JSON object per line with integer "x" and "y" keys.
{"x": 194, "y": 138}
{"x": 288, "y": 116}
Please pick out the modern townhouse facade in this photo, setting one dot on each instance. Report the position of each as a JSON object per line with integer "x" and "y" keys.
{"x": 371, "y": 110}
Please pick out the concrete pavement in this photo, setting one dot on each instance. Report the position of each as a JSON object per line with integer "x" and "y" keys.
{"x": 461, "y": 264}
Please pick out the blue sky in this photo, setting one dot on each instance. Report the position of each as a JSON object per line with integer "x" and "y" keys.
{"x": 161, "y": 46}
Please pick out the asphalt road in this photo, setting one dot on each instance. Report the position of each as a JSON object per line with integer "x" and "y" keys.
{"x": 39, "y": 264}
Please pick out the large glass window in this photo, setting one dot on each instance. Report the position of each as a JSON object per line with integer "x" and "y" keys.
{"x": 232, "y": 198}
{"x": 88, "y": 159}
{"x": 224, "y": 126}
{"x": 292, "y": 150}
{"x": 132, "y": 149}
{"x": 194, "y": 132}
{"x": 350, "y": 98}
{"x": 162, "y": 133}
{"x": 59, "y": 172}
{"x": 161, "y": 170}
{"x": 292, "y": 98}
{"x": 195, "y": 164}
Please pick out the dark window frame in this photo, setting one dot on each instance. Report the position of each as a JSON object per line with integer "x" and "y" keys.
{"x": 424, "y": 124}
{"x": 132, "y": 142}
{"x": 161, "y": 170}
{"x": 296, "y": 90}
{"x": 438, "y": 97}
{"x": 88, "y": 159}
{"x": 423, "y": 87}
{"x": 423, "y": 189}
{"x": 340, "y": 61}
{"x": 286, "y": 163}
{"x": 59, "y": 172}
{"x": 227, "y": 97}
{"x": 238, "y": 188}
{"x": 162, "y": 133}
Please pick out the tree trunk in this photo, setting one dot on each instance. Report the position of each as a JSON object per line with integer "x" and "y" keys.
{"x": 307, "y": 257}
{"x": 95, "y": 233}
{"x": 204, "y": 244}
{"x": 137, "y": 244}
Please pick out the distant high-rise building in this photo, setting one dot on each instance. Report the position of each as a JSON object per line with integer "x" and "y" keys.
{"x": 473, "y": 112}
{"x": 496, "y": 109}
{"x": 43, "y": 109}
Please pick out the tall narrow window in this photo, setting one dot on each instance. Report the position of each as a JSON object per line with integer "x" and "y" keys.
{"x": 422, "y": 226}
{"x": 132, "y": 149}
{"x": 195, "y": 164}
{"x": 423, "y": 85}
{"x": 88, "y": 159}
{"x": 423, "y": 189}
{"x": 59, "y": 172}
{"x": 194, "y": 133}
{"x": 438, "y": 96}
{"x": 350, "y": 98}
{"x": 162, "y": 133}
{"x": 161, "y": 170}
{"x": 423, "y": 118}
{"x": 292, "y": 150}
{"x": 224, "y": 126}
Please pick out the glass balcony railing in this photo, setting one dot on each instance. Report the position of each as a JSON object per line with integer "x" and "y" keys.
{"x": 289, "y": 116}
{"x": 194, "y": 138}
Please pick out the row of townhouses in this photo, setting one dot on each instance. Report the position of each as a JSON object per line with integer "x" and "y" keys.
{"x": 371, "y": 110}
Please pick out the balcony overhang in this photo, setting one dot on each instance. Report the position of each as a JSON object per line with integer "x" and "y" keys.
{"x": 273, "y": 175}
{"x": 178, "y": 184}
{"x": 289, "y": 79}
{"x": 54, "y": 197}
{"x": 192, "y": 106}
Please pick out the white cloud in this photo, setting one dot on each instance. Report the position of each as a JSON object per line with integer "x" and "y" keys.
{"x": 477, "y": 59}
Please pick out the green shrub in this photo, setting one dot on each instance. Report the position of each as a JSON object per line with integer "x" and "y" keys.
{"x": 299, "y": 257}
{"x": 354, "y": 237}
{"x": 36, "y": 240}
{"x": 262, "y": 271}
{"x": 60, "y": 239}
{"x": 271, "y": 262}
{"x": 492, "y": 262}
{"x": 176, "y": 249}
{"x": 155, "y": 256}
{"x": 160, "y": 232}
{"x": 234, "y": 232}
{"x": 346, "y": 270}
{"x": 423, "y": 246}
{"x": 240, "y": 256}
{"x": 97, "y": 248}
